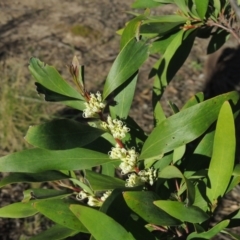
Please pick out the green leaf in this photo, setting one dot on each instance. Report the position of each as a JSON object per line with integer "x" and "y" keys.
{"x": 180, "y": 211}
{"x": 18, "y": 210}
{"x": 108, "y": 169}
{"x": 142, "y": 204}
{"x": 178, "y": 153}
{"x": 197, "y": 98}
{"x": 32, "y": 177}
{"x": 163, "y": 162}
{"x": 82, "y": 184}
{"x": 45, "y": 193}
{"x": 222, "y": 162}
{"x": 173, "y": 58}
{"x": 49, "y": 77}
{"x": 100, "y": 225}
{"x": 56, "y": 232}
{"x": 235, "y": 180}
{"x": 211, "y": 233}
{"x": 174, "y": 132}
{"x": 124, "y": 216}
{"x": 39, "y": 160}
{"x": 103, "y": 182}
{"x": 236, "y": 171}
{"x": 217, "y": 5}
{"x": 52, "y": 96}
{"x": 131, "y": 57}
{"x": 174, "y": 172}
{"x": 132, "y": 30}
{"x": 183, "y": 6}
{"x": 234, "y": 219}
{"x": 204, "y": 148}
{"x": 58, "y": 211}
{"x": 173, "y": 107}
{"x": 217, "y": 40}
{"x": 175, "y": 54}
{"x": 200, "y": 196}
{"x": 161, "y": 44}
{"x": 162, "y": 25}
{"x": 145, "y": 4}
{"x": 202, "y": 6}
{"x": 102, "y": 144}
{"x": 62, "y": 134}
{"x": 124, "y": 98}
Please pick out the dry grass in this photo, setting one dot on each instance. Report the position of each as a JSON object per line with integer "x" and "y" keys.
{"x": 20, "y": 107}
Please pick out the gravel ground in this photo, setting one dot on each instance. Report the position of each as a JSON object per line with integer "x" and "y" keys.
{"x": 48, "y": 30}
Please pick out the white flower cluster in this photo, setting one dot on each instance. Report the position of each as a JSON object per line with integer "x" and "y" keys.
{"x": 128, "y": 158}
{"x": 94, "y": 105}
{"x": 148, "y": 175}
{"x": 116, "y": 127}
{"x": 133, "y": 180}
{"x": 92, "y": 200}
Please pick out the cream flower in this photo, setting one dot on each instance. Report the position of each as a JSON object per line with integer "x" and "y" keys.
{"x": 116, "y": 127}
{"x": 94, "y": 105}
{"x": 133, "y": 180}
{"x": 128, "y": 157}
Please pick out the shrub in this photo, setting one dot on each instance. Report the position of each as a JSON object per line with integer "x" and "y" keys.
{"x": 170, "y": 181}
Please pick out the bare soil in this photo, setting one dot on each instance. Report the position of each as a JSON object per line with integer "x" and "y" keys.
{"x": 54, "y": 31}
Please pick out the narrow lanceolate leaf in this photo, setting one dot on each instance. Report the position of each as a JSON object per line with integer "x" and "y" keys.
{"x": 39, "y": 193}
{"x": 201, "y": 7}
{"x": 145, "y": 4}
{"x": 18, "y": 210}
{"x": 165, "y": 69}
{"x": 142, "y": 204}
{"x": 103, "y": 182}
{"x": 211, "y": 233}
{"x": 183, "y": 6}
{"x": 52, "y": 96}
{"x": 132, "y": 30}
{"x": 39, "y": 160}
{"x": 184, "y": 126}
{"x": 131, "y": 57}
{"x": 182, "y": 212}
{"x": 49, "y": 77}
{"x": 222, "y": 162}
{"x": 162, "y": 25}
{"x": 217, "y": 5}
{"x": 32, "y": 177}
{"x": 56, "y": 232}
{"x": 100, "y": 225}
{"x": 124, "y": 98}
{"x": 58, "y": 211}
{"x": 62, "y": 134}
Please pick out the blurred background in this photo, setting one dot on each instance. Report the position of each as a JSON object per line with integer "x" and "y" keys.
{"x": 54, "y": 31}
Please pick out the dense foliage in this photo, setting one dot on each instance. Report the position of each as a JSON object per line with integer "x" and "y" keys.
{"x": 168, "y": 183}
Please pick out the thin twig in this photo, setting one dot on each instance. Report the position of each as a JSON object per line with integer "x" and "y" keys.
{"x": 230, "y": 30}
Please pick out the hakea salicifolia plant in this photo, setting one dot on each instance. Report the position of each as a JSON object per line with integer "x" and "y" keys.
{"x": 129, "y": 157}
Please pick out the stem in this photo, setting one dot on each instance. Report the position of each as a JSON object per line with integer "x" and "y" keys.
{"x": 179, "y": 234}
{"x": 119, "y": 142}
{"x": 61, "y": 184}
{"x": 235, "y": 8}
{"x": 162, "y": 229}
{"x": 230, "y": 30}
